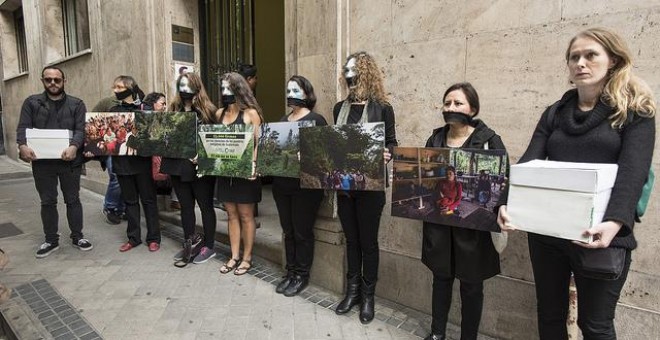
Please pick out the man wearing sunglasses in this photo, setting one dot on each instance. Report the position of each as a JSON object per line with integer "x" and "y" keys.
{"x": 54, "y": 109}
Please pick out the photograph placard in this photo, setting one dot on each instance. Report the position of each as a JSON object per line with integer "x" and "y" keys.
{"x": 279, "y": 148}
{"x": 456, "y": 187}
{"x": 107, "y": 133}
{"x": 225, "y": 150}
{"x": 343, "y": 157}
{"x": 166, "y": 134}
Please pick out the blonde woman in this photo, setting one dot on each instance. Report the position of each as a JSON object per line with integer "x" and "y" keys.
{"x": 609, "y": 117}
{"x": 360, "y": 211}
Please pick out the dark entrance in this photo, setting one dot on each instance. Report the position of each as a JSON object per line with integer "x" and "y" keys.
{"x": 235, "y": 32}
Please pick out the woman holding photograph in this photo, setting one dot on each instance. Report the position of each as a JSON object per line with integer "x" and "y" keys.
{"x": 134, "y": 173}
{"x": 297, "y": 207}
{"x": 360, "y": 211}
{"x": 609, "y": 117}
{"x": 239, "y": 194}
{"x": 454, "y": 252}
{"x": 189, "y": 187}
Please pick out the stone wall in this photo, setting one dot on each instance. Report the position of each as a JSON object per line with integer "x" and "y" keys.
{"x": 513, "y": 52}
{"x": 127, "y": 37}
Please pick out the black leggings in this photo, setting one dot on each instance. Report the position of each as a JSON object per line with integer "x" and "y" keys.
{"x": 472, "y": 300}
{"x": 200, "y": 190}
{"x": 359, "y": 213}
{"x": 297, "y": 210}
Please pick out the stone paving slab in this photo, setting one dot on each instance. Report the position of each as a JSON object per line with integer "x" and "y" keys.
{"x": 141, "y": 295}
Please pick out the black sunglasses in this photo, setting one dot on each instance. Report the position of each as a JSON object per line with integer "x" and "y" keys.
{"x": 52, "y": 80}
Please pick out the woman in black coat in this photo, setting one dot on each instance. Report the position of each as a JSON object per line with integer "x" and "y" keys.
{"x": 454, "y": 252}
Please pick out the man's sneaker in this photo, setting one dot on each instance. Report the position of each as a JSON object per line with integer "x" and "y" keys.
{"x": 204, "y": 255}
{"x": 82, "y": 244}
{"x": 46, "y": 248}
{"x": 111, "y": 217}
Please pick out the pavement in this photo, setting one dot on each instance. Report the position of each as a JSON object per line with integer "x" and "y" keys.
{"x": 105, "y": 294}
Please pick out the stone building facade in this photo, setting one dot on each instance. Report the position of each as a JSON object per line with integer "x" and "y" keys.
{"x": 511, "y": 51}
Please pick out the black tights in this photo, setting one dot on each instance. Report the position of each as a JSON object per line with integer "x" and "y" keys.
{"x": 472, "y": 300}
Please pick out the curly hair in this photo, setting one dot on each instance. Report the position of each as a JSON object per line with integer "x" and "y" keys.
{"x": 201, "y": 101}
{"x": 623, "y": 91}
{"x": 369, "y": 79}
{"x": 241, "y": 89}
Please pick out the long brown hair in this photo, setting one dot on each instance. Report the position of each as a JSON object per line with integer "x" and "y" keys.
{"x": 369, "y": 79}
{"x": 201, "y": 101}
{"x": 623, "y": 91}
{"x": 241, "y": 89}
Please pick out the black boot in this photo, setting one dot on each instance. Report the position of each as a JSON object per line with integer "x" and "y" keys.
{"x": 367, "y": 306}
{"x": 187, "y": 254}
{"x": 435, "y": 337}
{"x": 352, "y": 297}
{"x": 284, "y": 283}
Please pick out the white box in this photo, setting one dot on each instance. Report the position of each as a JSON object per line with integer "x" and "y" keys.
{"x": 559, "y": 199}
{"x": 48, "y": 143}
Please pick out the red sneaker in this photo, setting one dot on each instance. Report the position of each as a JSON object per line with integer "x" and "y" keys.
{"x": 154, "y": 246}
{"x": 126, "y": 247}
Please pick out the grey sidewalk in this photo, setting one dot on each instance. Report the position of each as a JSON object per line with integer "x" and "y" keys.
{"x": 140, "y": 295}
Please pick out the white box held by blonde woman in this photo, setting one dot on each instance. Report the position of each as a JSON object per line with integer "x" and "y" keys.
{"x": 560, "y": 199}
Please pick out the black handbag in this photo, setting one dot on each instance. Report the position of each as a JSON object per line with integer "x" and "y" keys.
{"x": 601, "y": 263}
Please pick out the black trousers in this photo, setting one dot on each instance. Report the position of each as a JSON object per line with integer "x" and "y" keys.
{"x": 359, "y": 213}
{"x": 596, "y": 298}
{"x": 472, "y": 301}
{"x": 46, "y": 175}
{"x": 200, "y": 190}
{"x": 297, "y": 210}
{"x": 135, "y": 189}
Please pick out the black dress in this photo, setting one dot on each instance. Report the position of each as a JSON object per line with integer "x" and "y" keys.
{"x": 466, "y": 254}
{"x": 236, "y": 189}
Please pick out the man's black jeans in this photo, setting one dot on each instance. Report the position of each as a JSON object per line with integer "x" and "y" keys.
{"x": 46, "y": 175}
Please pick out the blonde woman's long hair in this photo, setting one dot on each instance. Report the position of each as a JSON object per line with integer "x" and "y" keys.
{"x": 623, "y": 91}
{"x": 201, "y": 101}
{"x": 368, "y": 81}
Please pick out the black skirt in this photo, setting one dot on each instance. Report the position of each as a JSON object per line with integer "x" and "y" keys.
{"x": 238, "y": 190}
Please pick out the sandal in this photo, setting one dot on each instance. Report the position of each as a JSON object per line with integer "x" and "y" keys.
{"x": 242, "y": 269}
{"x": 226, "y": 268}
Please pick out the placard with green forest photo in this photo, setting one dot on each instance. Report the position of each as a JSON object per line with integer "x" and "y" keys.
{"x": 279, "y": 148}
{"x": 166, "y": 134}
{"x": 224, "y": 150}
{"x": 343, "y": 157}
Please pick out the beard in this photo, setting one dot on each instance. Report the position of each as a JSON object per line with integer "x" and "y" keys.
{"x": 55, "y": 90}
